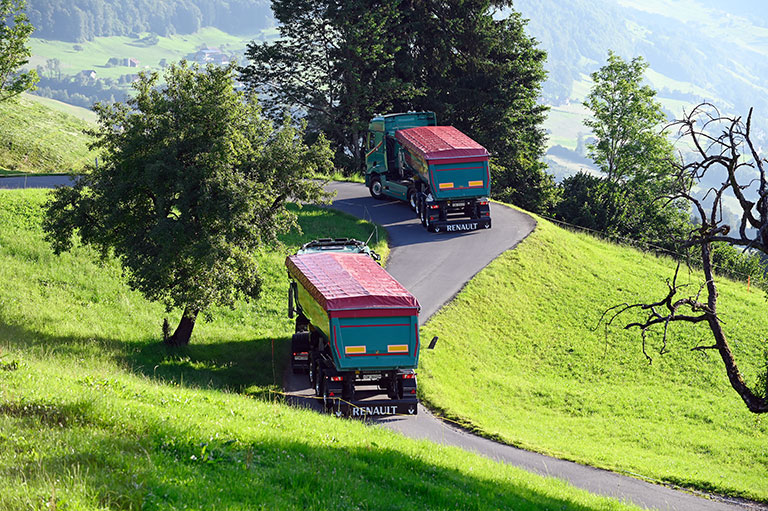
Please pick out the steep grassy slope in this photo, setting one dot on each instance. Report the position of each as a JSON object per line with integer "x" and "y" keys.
{"x": 38, "y": 139}
{"x": 521, "y": 358}
{"x": 94, "y": 414}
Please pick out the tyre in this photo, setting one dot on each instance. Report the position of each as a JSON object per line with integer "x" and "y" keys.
{"x": 300, "y": 346}
{"x": 423, "y": 212}
{"x": 319, "y": 377}
{"x": 327, "y": 401}
{"x": 312, "y": 371}
{"x": 377, "y": 189}
{"x": 413, "y": 198}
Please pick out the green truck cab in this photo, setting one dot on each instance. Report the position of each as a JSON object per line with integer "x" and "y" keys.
{"x": 440, "y": 172}
{"x": 357, "y": 330}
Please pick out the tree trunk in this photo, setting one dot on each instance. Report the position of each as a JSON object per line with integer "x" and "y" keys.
{"x": 755, "y": 403}
{"x": 184, "y": 331}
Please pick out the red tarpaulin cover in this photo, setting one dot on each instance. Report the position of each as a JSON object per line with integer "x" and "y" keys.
{"x": 343, "y": 280}
{"x": 440, "y": 142}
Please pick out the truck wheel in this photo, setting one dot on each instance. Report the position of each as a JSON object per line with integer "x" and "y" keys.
{"x": 428, "y": 223}
{"x": 327, "y": 401}
{"x": 423, "y": 212}
{"x": 349, "y": 391}
{"x": 299, "y": 344}
{"x": 319, "y": 377}
{"x": 413, "y": 198}
{"x": 377, "y": 189}
{"x": 312, "y": 371}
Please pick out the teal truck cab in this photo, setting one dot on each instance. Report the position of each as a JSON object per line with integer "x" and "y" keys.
{"x": 357, "y": 329}
{"x": 439, "y": 171}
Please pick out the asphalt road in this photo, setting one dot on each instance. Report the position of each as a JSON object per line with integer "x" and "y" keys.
{"x": 35, "y": 181}
{"x": 434, "y": 267}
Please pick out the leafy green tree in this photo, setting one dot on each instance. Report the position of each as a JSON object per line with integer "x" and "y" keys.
{"x": 193, "y": 184}
{"x": 483, "y": 75}
{"x": 334, "y": 64}
{"x": 626, "y": 122}
{"x": 15, "y": 29}
{"x": 636, "y": 160}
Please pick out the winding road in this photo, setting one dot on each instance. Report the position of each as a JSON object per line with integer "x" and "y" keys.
{"x": 434, "y": 267}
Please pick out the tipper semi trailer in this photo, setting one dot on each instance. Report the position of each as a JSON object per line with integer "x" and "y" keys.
{"x": 357, "y": 329}
{"x": 441, "y": 172}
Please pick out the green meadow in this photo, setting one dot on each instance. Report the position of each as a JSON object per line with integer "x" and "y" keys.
{"x": 524, "y": 358}
{"x": 96, "y": 414}
{"x": 35, "y": 138}
{"x": 76, "y": 57}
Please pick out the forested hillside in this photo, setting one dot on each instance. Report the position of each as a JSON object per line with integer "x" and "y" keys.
{"x": 697, "y": 49}
{"x": 82, "y": 20}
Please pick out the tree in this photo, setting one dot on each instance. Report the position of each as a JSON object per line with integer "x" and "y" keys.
{"x": 193, "y": 184}
{"x": 333, "y": 64}
{"x": 15, "y": 29}
{"x": 724, "y": 152}
{"x": 483, "y": 74}
{"x": 634, "y": 157}
{"x": 626, "y": 121}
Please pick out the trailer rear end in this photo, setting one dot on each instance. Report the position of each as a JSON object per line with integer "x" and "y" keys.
{"x": 454, "y": 180}
{"x": 357, "y": 333}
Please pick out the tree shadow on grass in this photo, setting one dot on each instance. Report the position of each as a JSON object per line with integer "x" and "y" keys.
{"x": 252, "y": 366}
{"x": 168, "y": 470}
{"x": 241, "y": 366}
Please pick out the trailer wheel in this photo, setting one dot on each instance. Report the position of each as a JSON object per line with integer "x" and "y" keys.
{"x": 376, "y": 188}
{"x": 299, "y": 345}
{"x": 349, "y": 391}
{"x": 413, "y": 198}
{"x": 327, "y": 401}
{"x": 427, "y": 223}
{"x": 319, "y": 377}
{"x": 312, "y": 371}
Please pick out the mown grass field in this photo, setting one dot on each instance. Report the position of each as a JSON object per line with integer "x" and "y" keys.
{"x": 96, "y": 414}
{"x": 521, "y": 358}
{"x": 34, "y": 138}
{"x": 95, "y": 54}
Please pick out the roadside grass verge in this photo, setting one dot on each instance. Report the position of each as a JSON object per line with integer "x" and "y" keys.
{"x": 521, "y": 358}
{"x": 96, "y": 414}
{"x": 36, "y": 139}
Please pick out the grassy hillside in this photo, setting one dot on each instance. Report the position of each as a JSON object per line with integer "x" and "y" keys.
{"x": 95, "y": 414}
{"x": 84, "y": 114}
{"x": 521, "y": 358}
{"x": 36, "y": 138}
{"x": 95, "y": 54}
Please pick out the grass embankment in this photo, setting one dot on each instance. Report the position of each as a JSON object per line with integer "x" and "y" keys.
{"x": 95, "y": 414}
{"x": 37, "y": 139}
{"x": 519, "y": 359}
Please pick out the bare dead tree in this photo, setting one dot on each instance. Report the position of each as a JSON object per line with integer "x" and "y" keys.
{"x": 723, "y": 146}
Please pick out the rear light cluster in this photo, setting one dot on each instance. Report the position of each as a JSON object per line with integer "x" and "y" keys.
{"x": 337, "y": 378}
{"x": 434, "y": 206}
{"x": 483, "y": 202}
{"x": 409, "y": 376}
